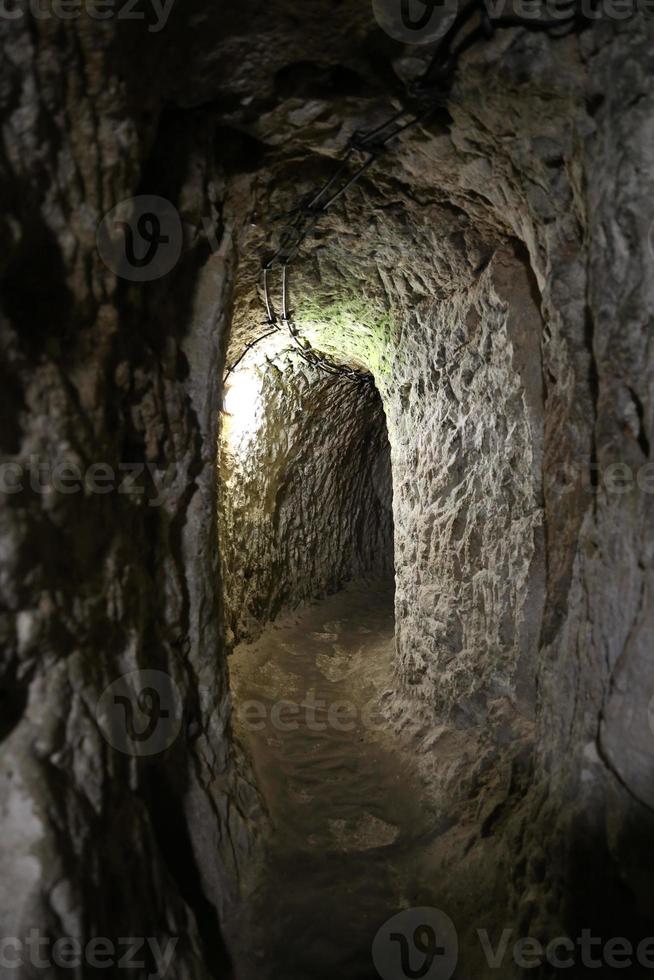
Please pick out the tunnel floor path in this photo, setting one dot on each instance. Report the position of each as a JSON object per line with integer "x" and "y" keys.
{"x": 349, "y": 817}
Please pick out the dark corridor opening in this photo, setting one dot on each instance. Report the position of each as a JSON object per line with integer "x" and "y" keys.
{"x": 307, "y": 530}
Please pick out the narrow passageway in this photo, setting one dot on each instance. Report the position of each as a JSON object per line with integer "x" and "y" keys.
{"x": 387, "y": 727}
{"x": 345, "y": 293}
{"x": 347, "y": 813}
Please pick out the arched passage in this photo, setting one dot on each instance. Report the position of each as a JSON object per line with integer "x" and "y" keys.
{"x": 520, "y": 446}
{"x": 306, "y": 497}
{"x": 441, "y": 700}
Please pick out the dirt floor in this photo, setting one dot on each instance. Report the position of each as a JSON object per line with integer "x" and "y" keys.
{"x": 351, "y": 821}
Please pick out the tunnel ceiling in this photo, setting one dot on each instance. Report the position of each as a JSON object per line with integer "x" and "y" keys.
{"x": 426, "y": 217}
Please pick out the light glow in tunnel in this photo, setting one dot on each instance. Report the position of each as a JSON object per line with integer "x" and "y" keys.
{"x": 242, "y": 406}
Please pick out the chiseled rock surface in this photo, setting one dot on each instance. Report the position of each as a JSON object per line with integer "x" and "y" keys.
{"x": 495, "y": 275}
{"x": 305, "y": 496}
{"x": 97, "y": 842}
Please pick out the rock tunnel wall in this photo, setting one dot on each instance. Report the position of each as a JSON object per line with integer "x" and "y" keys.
{"x": 548, "y": 142}
{"x": 449, "y": 322}
{"x": 109, "y": 559}
{"x": 306, "y": 495}
{"x": 587, "y": 811}
{"x": 524, "y": 371}
{"x": 465, "y": 420}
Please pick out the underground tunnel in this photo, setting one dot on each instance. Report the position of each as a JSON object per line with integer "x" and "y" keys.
{"x": 325, "y": 489}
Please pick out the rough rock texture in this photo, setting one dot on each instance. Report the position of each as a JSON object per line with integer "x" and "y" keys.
{"x": 467, "y": 500}
{"x": 306, "y": 492}
{"x": 461, "y": 384}
{"x": 495, "y": 275}
{"x": 99, "y": 582}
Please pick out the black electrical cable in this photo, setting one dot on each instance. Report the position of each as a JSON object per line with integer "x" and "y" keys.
{"x": 440, "y": 71}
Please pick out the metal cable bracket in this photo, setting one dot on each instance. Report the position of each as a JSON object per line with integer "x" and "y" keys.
{"x": 303, "y": 218}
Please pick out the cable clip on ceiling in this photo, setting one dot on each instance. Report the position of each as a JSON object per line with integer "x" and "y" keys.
{"x": 439, "y": 74}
